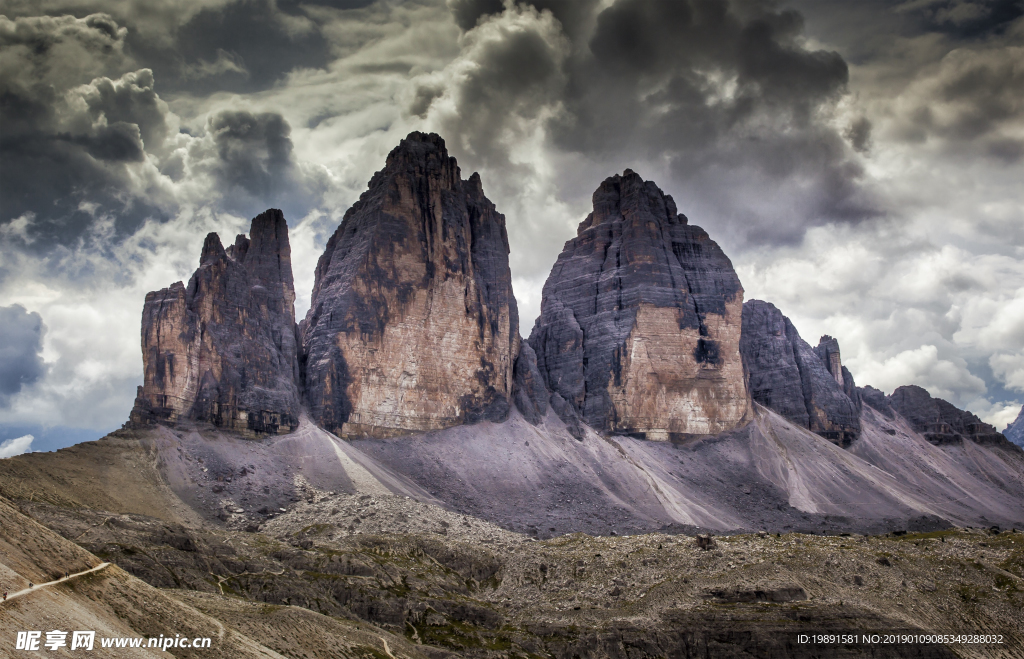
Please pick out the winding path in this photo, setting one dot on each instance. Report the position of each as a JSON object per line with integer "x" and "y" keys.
{"x": 36, "y": 587}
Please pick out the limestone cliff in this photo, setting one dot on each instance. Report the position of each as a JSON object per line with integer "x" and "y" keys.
{"x": 640, "y": 321}
{"x": 224, "y": 349}
{"x": 412, "y": 324}
{"x": 806, "y": 385}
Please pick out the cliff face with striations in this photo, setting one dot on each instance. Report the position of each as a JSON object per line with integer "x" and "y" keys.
{"x": 640, "y": 321}
{"x": 412, "y": 324}
{"x": 806, "y": 385}
{"x": 224, "y": 349}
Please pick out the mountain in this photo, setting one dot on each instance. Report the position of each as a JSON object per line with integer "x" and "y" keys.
{"x": 808, "y": 386}
{"x": 412, "y": 325}
{"x": 364, "y": 571}
{"x": 401, "y": 475}
{"x": 1015, "y": 431}
{"x": 941, "y": 422}
{"x": 224, "y": 350}
{"x": 640, "y": 321}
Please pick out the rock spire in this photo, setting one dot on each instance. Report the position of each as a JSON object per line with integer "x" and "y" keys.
{"x": 806, "y": 385}
{"x": 640, "y": 321}
{"x": 223, "y": 349}
{"x": 413, "y": 325}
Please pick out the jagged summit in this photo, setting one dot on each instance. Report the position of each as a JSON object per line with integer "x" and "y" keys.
{"x": 223, "y": 350}
{"x": 940, "y": 421}
{"x": 640, "y": 321}
{"x": 413, "y": 325}
{"x": 809, "y": 386}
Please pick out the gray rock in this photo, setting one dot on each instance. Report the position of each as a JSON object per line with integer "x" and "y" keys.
{"x": 640, "y": 321}
{"x": 1015, "y": 431}
{"x": 876, "y": 399}
{"x": 529, "y": 393}
{"x": 789, "y": 376}
{"x": 223, "y": 350}
{"x": 413, "y": 325}
{"x": 939, "y": 421}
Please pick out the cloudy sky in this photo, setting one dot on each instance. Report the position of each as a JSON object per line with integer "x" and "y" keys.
{"x": 860, "y": 162}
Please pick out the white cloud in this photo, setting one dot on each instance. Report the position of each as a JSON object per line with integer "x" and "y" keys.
{"x": 16, "y": 446}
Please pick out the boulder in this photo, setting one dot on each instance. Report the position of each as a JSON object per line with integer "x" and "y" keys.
{"x": 412, "y": 325}
{"x": 223, "y": 349}
{"x": 640, "y": 321}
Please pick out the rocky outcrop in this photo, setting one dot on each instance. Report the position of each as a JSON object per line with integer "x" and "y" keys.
{"x": 224, "y": 349}
{"x": 806, "y": 385}
{"x": 640, "y": 321}
{"x": 939, "y": 421}
{"x": 528, "y": 390}
{"x": 876, "y": 399}
{"x": 412, "y": 324}
{"x": 1015, "y": 431}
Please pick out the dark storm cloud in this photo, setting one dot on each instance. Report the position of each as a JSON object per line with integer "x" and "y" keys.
{"x": 237, "y": 45}
{"x": 21, "y": 363}
{"x": 859, "y": 134}
{"x": 64, "y": 143}
{"x": 686, "y": 52}
{"x": 254, "y": 149}
{"x": 468, "y": 12}
{"x": 720, "y": 91}
{"x": 254, "y": 46}
{"x": 962, "y": 19}
{"x": 574, "y": 15}
{"x": 254, "y": 164}
{"x": 516, "y": 72}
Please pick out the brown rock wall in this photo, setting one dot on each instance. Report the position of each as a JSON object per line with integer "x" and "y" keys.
{"x": 223, "y": 349}
{"x": 413, "y": 325}
{"x": 640, "y": 321}
{"x": 664, "y": 389}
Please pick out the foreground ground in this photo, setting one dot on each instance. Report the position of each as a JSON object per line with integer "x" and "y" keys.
{"x": 307, "y": 588}
{"x": 306, "y": 547}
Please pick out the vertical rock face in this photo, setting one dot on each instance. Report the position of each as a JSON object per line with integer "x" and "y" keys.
{"x": 828, "y": 353}
{"x": 412, "y": 324}
{"x": 529, "y": 393}
{"x": 640, "y": 321}
{"x": 1015, "y": 431}
{"x": 224, "y": 349}
{"x": 939, "y": 421}
{"x": 804, "y": 384}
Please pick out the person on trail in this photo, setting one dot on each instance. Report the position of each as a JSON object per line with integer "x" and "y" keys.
{"x": 5, "y": 595}
{"x": 30, "y": 584}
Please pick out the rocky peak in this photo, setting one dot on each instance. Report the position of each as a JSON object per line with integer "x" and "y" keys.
{"x": 223, "y": 349}
{"x": 213, "y": 250}
{"x": 828, "y": 352}
{"x": 413, "y": 325}
{"x": 939, "y": 421}
{"x": 640, "y": 321}
{"x": 804, "y": 384}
